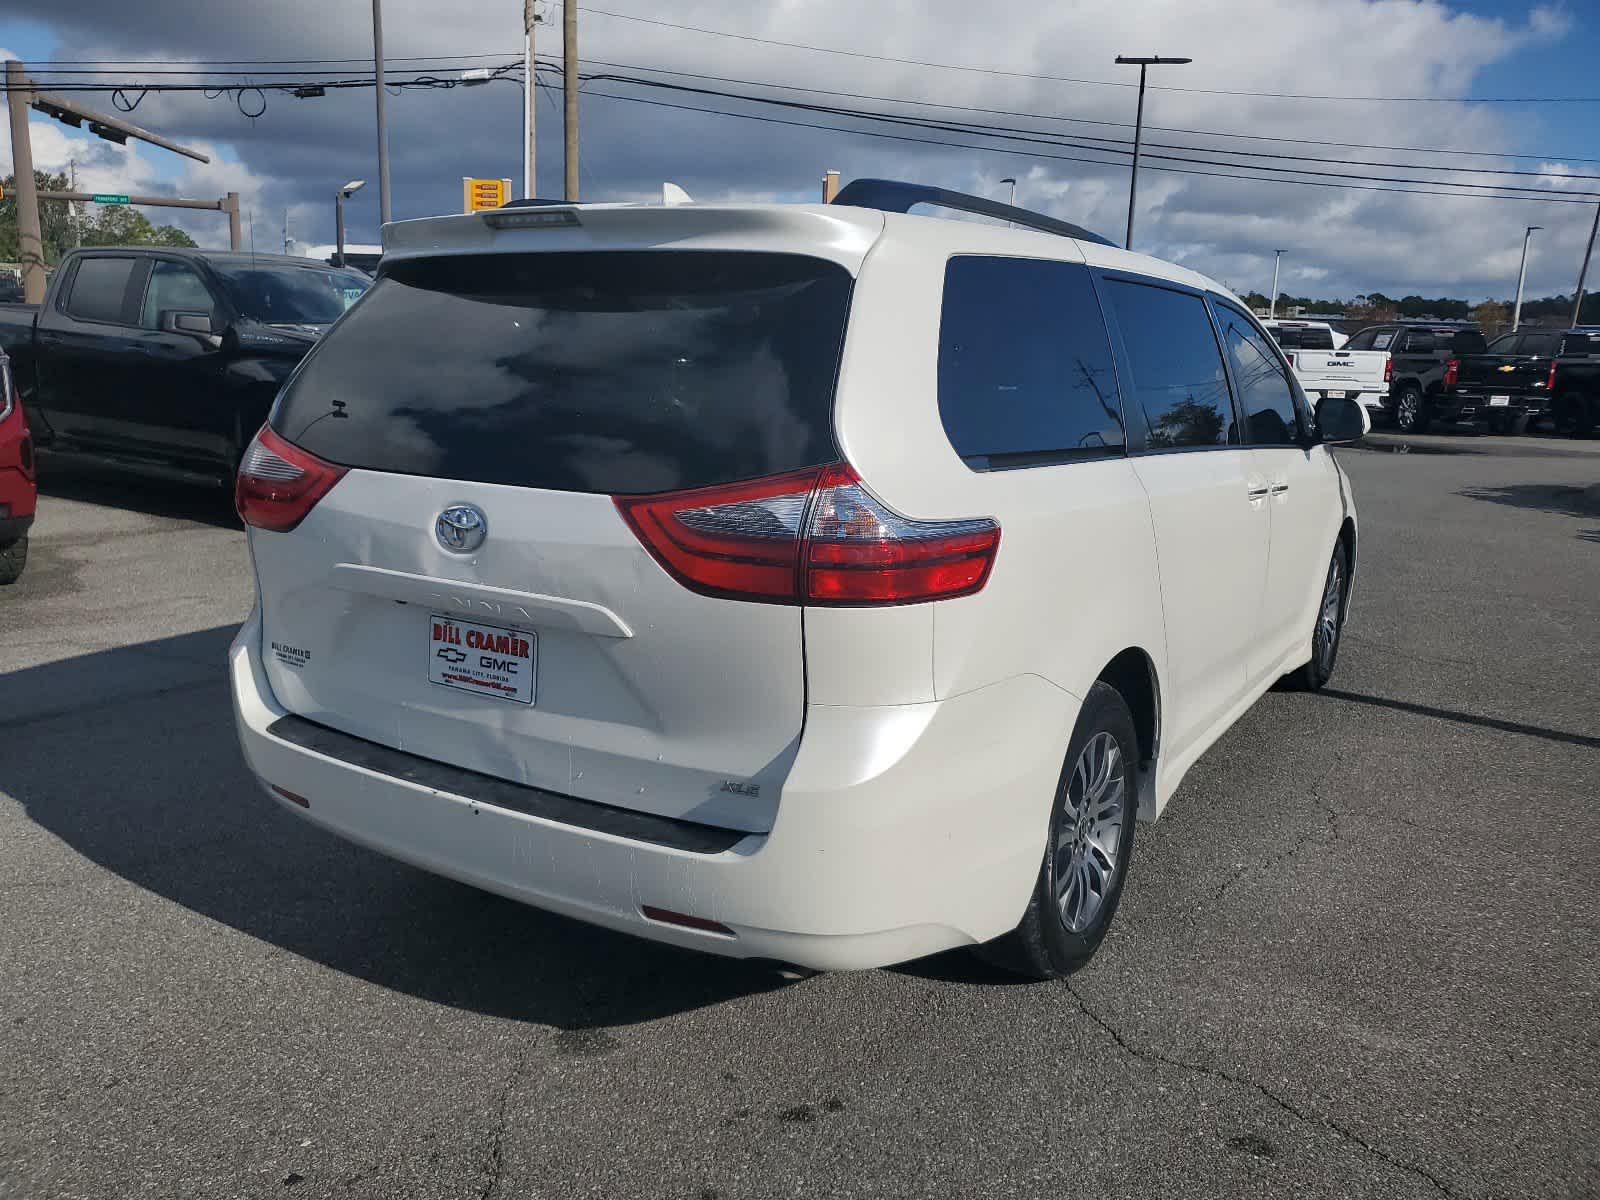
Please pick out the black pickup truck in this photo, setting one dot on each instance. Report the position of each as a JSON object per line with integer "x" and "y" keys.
{"x": 1527, "y": 374}
{"x": 1419, "y": 364}
{"x": 165, "y": 361}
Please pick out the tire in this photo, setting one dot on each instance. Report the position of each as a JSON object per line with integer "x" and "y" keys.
{"x": 13, "y": 557}
{"x": 1410, "y": 410}
{"x": 1328, "y": 631}
{"x": 1086, "y": 860}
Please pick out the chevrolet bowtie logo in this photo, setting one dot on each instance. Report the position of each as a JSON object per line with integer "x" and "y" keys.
{"x": 1508, "y": 367}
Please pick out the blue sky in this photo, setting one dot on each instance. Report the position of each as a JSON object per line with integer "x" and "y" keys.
{"x": 1342, "y": 242}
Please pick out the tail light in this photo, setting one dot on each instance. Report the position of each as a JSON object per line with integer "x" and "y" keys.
{"x": 1452, "y": 369}
{"x": 809, "y": 537}
{"x": 1289, "y": 354}
{"x": 1550, "y": 380}
{"x": 1388, "y": 370}
{"x": 279, "y": 483}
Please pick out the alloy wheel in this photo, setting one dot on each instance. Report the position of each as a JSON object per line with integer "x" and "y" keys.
{"x": 1327, "y": 635}
{"x": 1090, "y": 832}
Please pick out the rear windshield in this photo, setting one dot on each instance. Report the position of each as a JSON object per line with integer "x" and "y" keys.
{"x": 615, "y": 372}
{"x": 1467, "y": 341}
{"x": 1302, "y": 337}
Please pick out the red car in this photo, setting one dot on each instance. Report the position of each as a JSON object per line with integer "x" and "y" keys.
{"x": 18, "y": 494}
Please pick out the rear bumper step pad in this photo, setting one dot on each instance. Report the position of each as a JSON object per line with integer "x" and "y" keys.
{"x": 670, "y": 832}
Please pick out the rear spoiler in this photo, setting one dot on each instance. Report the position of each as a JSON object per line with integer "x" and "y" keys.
{"x": 891, "y": 195}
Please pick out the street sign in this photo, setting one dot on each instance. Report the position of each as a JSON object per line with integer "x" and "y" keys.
{"x": 108, "y": 198}
{"x": 480, "y": 194}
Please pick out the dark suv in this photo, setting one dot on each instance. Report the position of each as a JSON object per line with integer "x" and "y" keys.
{"x": 1419, "y": 368}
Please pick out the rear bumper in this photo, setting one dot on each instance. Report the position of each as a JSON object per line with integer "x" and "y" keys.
{"x": 1466, "y": 405}
{"x": 901, "y": 831}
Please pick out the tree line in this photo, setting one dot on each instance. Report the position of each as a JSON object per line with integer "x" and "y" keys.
{"x": 1375, "y": 306}
{"x": 66, "y": 225}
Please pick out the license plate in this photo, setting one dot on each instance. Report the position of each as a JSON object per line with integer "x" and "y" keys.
{"x": 487, "y": 659}
{"x": 1335, "y": 395}
{"x": 1499, "y": 401}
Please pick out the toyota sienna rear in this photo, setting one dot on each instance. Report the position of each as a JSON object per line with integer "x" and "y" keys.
{"x": 619, "y": 560}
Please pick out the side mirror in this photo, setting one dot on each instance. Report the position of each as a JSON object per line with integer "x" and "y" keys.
{"x": 177, "y": 320}
{"x": 1340, "y": 420}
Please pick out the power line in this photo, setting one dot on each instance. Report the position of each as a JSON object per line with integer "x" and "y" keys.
{"x": 1008, "y": 112}
{"x": 604, "y": 77}
{"x": 946, "y": 66}
{"x": 1011, "y": 133}
{"x": 1417, "y": 191}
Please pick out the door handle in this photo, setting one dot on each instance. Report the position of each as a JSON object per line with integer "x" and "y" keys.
{"x": 1278, "y": 489}
{"x": 1258, "y": 493}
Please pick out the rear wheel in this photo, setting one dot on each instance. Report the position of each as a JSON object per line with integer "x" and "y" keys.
{"x": 1090, "y": 843}
{"x": 1329, "y": 627}
{"x": 1410, "y": 414}
{"x": 13, "y": 557}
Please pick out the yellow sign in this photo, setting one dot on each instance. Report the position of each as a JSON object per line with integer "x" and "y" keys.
{"x": 480, "y": 194}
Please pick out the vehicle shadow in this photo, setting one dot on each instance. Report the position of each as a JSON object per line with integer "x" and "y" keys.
{"x": 90, "y": 484}
{"x": 129, "y": 757}
{"x": 1543, "y": 497}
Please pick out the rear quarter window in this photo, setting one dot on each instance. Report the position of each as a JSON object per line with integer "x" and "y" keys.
{"x": 615, "y": 372}
{"x": 1025, "y": 366}
{"x": 1178, "y": 378}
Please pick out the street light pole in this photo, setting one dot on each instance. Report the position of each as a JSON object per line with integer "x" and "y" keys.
{"x": 383, "y": 127}
{"x": 529, "y": 95}
{"x": 1522, "y": 276}
{"x": 569, "y": 94}
{"x": 339, "y": 197}
{"x": 1583, "y": 271}
{"x": 1143, "y": 63}
{"x": 1272, "y": 304}
{"x": 1013, "y": 183}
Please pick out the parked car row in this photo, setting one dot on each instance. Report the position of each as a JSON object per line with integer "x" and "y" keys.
{"x": 1413, "y": 375}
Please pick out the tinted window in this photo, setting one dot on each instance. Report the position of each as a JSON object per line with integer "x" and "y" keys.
{"x": 1362, "y": 340}
{"x": 1580, "y": 343}
{"x": 1178, "y": 380}
{"x": 280, "y": 294}
{"x": 1024, "y": 363}
{"x": 1263, "y": 388}
{"x": 1467, "y": 341}
{"x": 1506, "y": 343}
{"x": 1418, "y": 341}
{"x": 616, "y": 372}
{"x": 1302, "y": 337}
{"x": 1540, "y": 343}
{"x": 172, "y": 286}
{"x": 100, "y": 288}
{"x": 1383, "y": 339}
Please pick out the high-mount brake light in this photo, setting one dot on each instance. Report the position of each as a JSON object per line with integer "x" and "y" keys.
{"x": 279, "y": 483}
{"x": 809, "y": 537}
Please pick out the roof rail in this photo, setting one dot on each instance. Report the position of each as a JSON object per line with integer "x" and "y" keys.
{"x": 891, "y": 195}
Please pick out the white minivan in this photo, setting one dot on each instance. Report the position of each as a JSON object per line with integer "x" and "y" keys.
{"x": 825, "y": 584}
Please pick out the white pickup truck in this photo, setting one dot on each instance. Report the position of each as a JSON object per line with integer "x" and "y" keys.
{"x": 1323, "y": 370}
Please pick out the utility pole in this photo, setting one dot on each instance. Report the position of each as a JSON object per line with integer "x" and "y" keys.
{"x": 383, "y": 127}
{"x": 530, "y": 94}
{"x": 1154, "y": 60}
{"x": 1272, "y": 304}
{"x": 1583, "y": 271}
{"x": 1522, "y": 276}
{"x": 74, "y": 210}
{"x": 569, "y": 94}
{"x": 30, "y": 240}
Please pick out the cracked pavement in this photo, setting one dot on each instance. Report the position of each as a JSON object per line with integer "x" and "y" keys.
{"x": 1356, "y": 958}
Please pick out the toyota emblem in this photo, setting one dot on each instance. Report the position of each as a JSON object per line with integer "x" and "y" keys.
{"x": 461, "y": 528}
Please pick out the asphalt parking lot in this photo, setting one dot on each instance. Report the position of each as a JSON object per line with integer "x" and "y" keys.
{"x": 1359, "y": 956}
